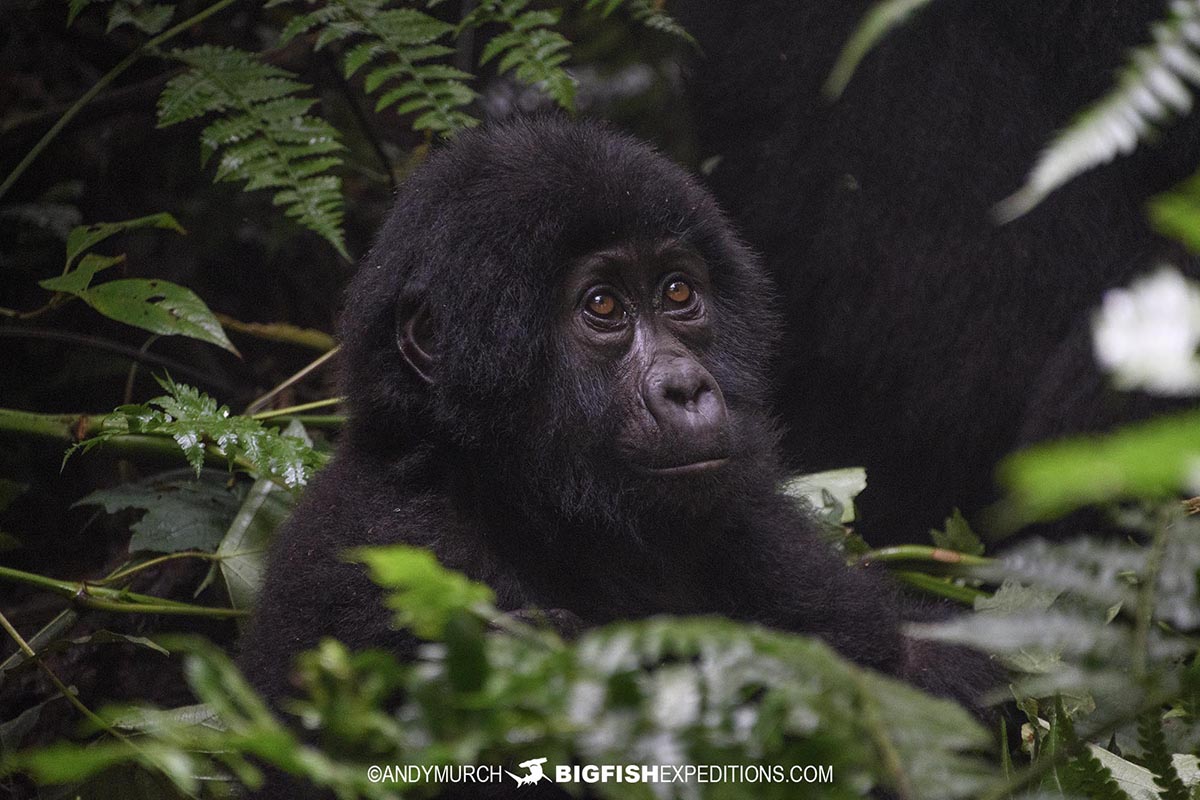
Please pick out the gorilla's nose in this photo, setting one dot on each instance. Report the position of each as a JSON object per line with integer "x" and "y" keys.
{"x": 686, "y": 401}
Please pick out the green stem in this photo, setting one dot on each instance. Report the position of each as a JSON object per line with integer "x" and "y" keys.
{"x": 62, "y": 688}
{"x": 925, "y": 553}
{"x": 99, "y": 86}
{"x": 309, "y": 420}
{"x": 71, "y": 428}
{"x": 61, "y": 427}
{"x": 256, "y": 406}
{"x": 153, "y": 562}
{"x": 105, "y": 599}
{"x": 1145, "y": 596}
{"x": 1004, "y": 789}
{"x": 65, "y": 691}
{"x": 279, "y": 412}
{"x": 280, "y": 332}
{"x": 940, "y": 587}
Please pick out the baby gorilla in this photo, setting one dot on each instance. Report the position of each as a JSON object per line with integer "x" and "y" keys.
{"x": 555, "y": 362}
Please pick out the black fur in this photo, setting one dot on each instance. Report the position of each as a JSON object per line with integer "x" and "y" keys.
{"x": 503, "y": 464}
{"x": 924, "y": 341}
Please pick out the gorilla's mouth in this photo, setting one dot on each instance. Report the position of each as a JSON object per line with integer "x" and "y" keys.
{"x": 684, "y": 470}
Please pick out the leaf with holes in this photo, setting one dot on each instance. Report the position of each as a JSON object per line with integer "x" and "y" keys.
{"x": 86, "y": 237}
{"x": 159, "y": 307}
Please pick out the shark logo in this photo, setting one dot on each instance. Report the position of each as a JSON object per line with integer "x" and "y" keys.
{"x": 534, "y": 765}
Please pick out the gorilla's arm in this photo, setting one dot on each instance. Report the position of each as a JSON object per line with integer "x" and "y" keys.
{"x": 781, "y": 573}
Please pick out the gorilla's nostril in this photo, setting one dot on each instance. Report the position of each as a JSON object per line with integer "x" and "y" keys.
{"x": 684, "y": 399}
{"x": 688, "y": 397}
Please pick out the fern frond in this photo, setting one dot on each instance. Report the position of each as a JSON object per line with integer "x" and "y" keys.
{"x": 402, "y": 45}
{"x": 530, "y": 48}
{"x": 149, "y": 18}
{"x": 1152, "y": 89}
{"x": 1084, "y": 774}
{"x": 1157, "y": 757}
{"x": 648, "y": 13}
{"x": 200, "y": 426}
{"x": 1092, "y": 571}
{"x": 266, "y": 137}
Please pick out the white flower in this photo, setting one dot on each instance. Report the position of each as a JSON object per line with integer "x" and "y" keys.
{"x": 1147, "y": 335}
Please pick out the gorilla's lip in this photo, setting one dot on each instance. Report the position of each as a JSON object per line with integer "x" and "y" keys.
{"x": 691, "y": 468}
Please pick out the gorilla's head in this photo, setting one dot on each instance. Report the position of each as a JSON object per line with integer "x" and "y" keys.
{"x": 560, "y": 311}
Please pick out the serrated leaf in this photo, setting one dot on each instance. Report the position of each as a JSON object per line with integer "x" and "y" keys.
{"x": 359, "y": 55}
{"x": 957, "y": 535}
{"x": 269, "y": 139}
{"x": 336, "y": 31}
{"x": 191, "y": 515}
{"x": 407, "y": 26}
{"x": 196, "y": 422}
{"x": 149, "y": 19}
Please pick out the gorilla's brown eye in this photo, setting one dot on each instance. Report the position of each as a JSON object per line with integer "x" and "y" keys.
{"x": 678, "y": 292}
{"x": 602, "y": 304}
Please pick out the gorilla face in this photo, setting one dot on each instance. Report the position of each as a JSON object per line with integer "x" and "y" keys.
{"x": 624, "y": 422}
{"x": 637, "y": 313}
{"x": 574, "y": 328}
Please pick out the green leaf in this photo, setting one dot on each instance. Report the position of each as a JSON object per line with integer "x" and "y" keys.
{"x": 150, "y": 19}
{"x": 63, "y": 763}
{"x": 1157, "y": 758}
{"x": 1013, "y": 597}
{"x": 1176, "y": 213}
{"x": 75, "y": 8}
{"x": 843, "y": 485}
{"x": 14, "y": 731}
{"x": 243, "y": 550}
{"x": 466, "y": 657}
{"x": 1147, "y": 459}
{"x": 268, "y": 138}
{"x": 79, "y": 279}
{"x": 882, "y": 18}
{"x": 191, "y": 515}
{"x": 957, "y": 536}
{"x": 53, "y": 630}
{"x": 59, "y": 642}
{"x": 150, "y": 720}
{"x": 88, "y": 236}
{"x": 159, "y": 307}
{"x": 425, "y": 595}
{"x": 197, "y": 423}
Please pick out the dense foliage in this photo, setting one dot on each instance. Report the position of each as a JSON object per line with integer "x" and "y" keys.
{"x": 163, "y": 508}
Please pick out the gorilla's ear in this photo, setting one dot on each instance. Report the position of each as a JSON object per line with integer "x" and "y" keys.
{"x": 414, "y": 336}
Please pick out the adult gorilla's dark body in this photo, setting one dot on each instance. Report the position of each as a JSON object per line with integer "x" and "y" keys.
{"x": 555, "y": 359}
{"x": 923, "y": 340}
